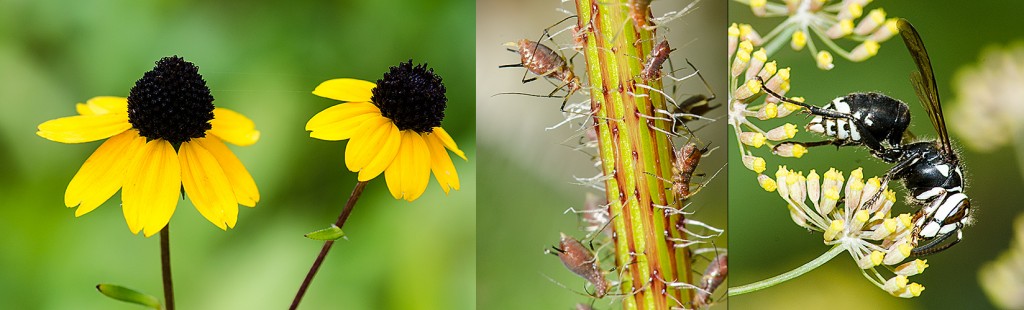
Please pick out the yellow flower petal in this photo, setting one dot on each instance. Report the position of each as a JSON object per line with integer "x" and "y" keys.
{"x": 417, "y": 174}
{"x": 408, "y": 175}
{"x": 448, "y": 142}
{"x": 103, "y": 173}
{"x": 441, "y": 164}
{"x": 233, "y": 127}
{"x": 207, "y": 185}
{"x": 393, "y": 175}
{"x": 84, "y": 128}
{"x": 242, "y": 183}
{"x": 103, "y": 105}
{"x": 340, "y": 121}
{"x": 363, "y": 145}
{"x": 151, "y": 187}
{"x": 388, "y": 144}
{"x": 345, "y": 90}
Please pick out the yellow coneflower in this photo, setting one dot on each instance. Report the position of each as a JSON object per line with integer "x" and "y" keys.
{"x": 164, "y": 136}
{"x": 394, "y": 126}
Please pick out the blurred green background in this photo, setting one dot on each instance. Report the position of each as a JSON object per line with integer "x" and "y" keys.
{"x": 260, "y": 58}
{"x": 765, "y": 242}
{"x": 529, "y": 170}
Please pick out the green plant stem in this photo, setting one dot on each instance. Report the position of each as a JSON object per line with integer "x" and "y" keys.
{"x": 356, "y": 193}
{"x": 636, "y": 157}
{"x": 811, "y": 265}
{"x": 165, "y": 264}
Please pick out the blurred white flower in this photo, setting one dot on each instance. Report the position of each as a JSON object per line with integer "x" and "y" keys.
{"x": 989, "y": 102}
{"x": 1003, "y": 278}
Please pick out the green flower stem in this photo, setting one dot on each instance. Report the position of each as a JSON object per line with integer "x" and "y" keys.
{"x": 636, "y": 157}
{"x": 165, "y": 264}
{"x": 356, "y": 193}
{"x": 799, "y": 271}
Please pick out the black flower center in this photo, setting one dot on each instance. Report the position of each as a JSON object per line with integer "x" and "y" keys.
{"x": 411, "y": 96}
{"x": 171, "y": 102}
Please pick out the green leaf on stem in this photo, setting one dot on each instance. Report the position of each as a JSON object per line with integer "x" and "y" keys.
{"x": 129, "y": 295}
{"x": 330, "y": 233}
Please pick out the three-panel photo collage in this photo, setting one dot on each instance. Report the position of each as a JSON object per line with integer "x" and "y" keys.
{"x": 493, "y": 154}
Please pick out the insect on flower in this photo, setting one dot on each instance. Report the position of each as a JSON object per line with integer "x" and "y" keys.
{"x": 930, "y": 170}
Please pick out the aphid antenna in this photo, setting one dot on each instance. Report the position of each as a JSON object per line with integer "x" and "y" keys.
{"x": 658, "y": 177}
{"x": 590, "y": 295}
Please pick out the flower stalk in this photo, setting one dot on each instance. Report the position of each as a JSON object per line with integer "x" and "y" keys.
{"x": 799, "y": 271}
{"x": 636, "y": 156}
{"x": 352, "y": 199}
{"x": 165, "y": 266}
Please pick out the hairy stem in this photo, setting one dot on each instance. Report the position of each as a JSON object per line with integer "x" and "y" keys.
{"x": 356, "y": 193}
{"x": 636, "y": 156}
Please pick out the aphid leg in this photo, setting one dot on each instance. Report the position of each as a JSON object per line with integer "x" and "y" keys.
{"x": 695, "y": 105}
{"x": 701, "y": 186}
{"x": 707, "y": 86}
{"x": 656, "y": 128}
{"x": 550, "y": 38}
{"x": 659, "y": 22}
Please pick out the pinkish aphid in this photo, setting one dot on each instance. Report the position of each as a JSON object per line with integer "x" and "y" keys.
{"x": 582, "y": 262}
{"x": 654, "y": 62}
{"x": 714, "y": 275}
{"x": 543, "y": 61}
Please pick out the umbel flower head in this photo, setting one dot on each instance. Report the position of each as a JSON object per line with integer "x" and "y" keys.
{"x": 394, "y": 127}
{"x": 826, "y": 20}
{"x": 857, "y": 218}
{"x": 750, "y": 72}
{"x": 165, "y": 136}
